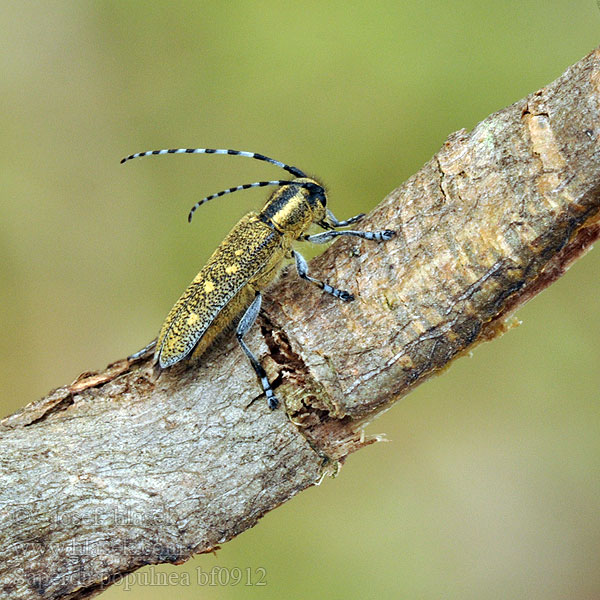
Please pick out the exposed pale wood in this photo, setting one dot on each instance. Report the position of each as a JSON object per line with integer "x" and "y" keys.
{"x": 123, "y": 469}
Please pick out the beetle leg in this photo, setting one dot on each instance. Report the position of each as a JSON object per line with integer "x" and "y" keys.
{"x": 302, "y": 268}
{"x": 243, "y": 327}
{"x": 143, "y": 351}
{"x": 377, "y": 236}
{"x": 349, "y": 221}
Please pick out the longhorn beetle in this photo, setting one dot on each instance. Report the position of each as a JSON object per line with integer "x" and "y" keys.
{"x": 248, "y": 259}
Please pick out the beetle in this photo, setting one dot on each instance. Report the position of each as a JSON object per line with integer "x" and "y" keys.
{"x": 228, "y": 289}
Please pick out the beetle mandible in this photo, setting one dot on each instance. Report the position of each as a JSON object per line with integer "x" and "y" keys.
{"x": 247, "y": 260}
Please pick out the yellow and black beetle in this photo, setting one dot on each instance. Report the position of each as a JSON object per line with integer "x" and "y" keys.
{"x": 247, "y": 260}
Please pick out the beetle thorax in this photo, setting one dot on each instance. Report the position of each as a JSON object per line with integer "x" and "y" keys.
{"x": 292, "y": 209}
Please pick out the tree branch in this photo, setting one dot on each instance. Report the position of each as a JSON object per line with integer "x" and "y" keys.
{"x": 123, "y": 468}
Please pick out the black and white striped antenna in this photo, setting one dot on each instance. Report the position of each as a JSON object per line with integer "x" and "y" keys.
{"x": 293, "y": 170}
{"x": 237, "y": 188}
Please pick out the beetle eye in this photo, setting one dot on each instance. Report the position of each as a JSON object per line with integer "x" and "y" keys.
{"x": 322, "y": 198}
{"x": 315, "y": 193}
{"x": 318, "y": 193}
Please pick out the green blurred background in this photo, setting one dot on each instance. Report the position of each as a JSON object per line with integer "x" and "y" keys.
{"x": 490, "y": 486}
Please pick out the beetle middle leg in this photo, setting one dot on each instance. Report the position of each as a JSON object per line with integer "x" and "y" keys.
{"x": 242, "y": 329}
{"x": 377, "y": 236}
{"x": 302, "y": 268}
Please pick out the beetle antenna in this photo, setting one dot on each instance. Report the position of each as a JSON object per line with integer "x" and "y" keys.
{"x": 247, "y": 186}
{"x": 293, "y": 170}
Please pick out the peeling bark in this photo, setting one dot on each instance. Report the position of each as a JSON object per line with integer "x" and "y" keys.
{"x": 125, "y": 468}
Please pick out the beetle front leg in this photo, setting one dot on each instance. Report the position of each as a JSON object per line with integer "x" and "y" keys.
{"x": 331, "y": 223}
{"x": 302, "y": 268}
{"x": 335, "y": 223}
{"x": 246, "y": 322}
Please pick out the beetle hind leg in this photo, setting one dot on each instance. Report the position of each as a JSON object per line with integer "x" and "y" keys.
{"x": 246, "y": 322}
{"x": 143, "y": 351}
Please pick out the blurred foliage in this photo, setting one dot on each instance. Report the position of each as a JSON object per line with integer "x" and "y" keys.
{"x": 490, "y": 487}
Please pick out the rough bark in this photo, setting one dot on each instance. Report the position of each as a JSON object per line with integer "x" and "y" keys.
{"x": 122, "y": 468}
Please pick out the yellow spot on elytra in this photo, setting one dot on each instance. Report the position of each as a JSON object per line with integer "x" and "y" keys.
{"x": 232, "y": 269}
{"x": 209, "y": 286}
{"x": 192, "y": 319}
{"x": 239, "y": 252}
